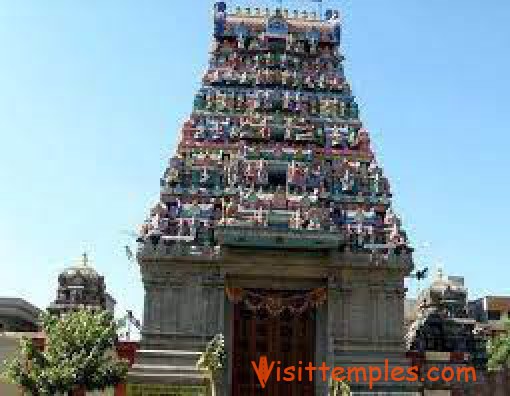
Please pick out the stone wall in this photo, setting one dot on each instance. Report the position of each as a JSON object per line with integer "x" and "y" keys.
{"x": 185, "y": 306}
{"x": 367, "y": 309}
{"x": 183, "y": 309}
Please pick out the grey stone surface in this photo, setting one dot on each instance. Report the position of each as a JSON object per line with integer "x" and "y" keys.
{"x": 185, "y": 306}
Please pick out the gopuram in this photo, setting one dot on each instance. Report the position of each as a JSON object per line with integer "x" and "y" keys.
{"x": 274, "y": 225}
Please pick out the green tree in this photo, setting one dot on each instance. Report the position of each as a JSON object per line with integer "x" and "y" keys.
{"x": 78, "y": 354}
{"x": 338, "y": 388}
{"x": 499, "y": 349}
{"x": 214, "y": 358}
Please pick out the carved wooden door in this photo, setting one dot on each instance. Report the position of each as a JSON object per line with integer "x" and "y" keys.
{"x": 286, "y": 338}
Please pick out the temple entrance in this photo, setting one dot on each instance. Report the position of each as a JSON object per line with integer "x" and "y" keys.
{"x": 268, "y": 328}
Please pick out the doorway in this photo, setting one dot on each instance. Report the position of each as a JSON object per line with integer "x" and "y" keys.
{"x": 286, "y": 337}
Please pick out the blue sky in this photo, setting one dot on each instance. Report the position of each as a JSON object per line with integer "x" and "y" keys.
{"x": 92, "y": 95}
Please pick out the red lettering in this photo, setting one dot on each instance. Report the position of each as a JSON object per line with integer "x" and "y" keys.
{"x": 289, "y": 374}
{"x": 433, "y": 379}
{"x": 413, "y": 374}
{"x": 397, "y": 371}
{"x": 324, "y": 369}
{"x": 373, "y": 379}
{"x": 335, "y": 372}
{"x": 356, "y": 370}
{"x": 263, "y": 371}
{"x": 452, "y": 374}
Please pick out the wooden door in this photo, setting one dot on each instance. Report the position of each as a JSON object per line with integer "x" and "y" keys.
{"x": 286, "y": 338}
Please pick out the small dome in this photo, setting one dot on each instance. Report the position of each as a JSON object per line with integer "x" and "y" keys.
{"x": 81, "y": 269}
{"x": 81, "y": 286}
{"x": 440, "y": 281}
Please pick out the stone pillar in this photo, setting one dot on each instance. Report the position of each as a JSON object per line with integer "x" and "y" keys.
{"x": 213, "y": 302}
{"x": 216, "y": 322}
{"x": 151, "y": 308}
{"x": 334, "y": 311}
{"x": 392, "y": 314}
{"x": 158, "y": 307}
{"x": 384, "y": 323}
{"x": 400, "y": 294}
{"x": 346, "y": 297}
{"x": 374, "y": 294}
{"x": 328, "y": 317}
{"x": 146, "y": 306}
{"x": 168, "y": 318}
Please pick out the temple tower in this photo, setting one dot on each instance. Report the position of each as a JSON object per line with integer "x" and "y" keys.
{"x": 442, "y": 330}
{"x": 274, "y": 224}
{"x": 81, "y": 287}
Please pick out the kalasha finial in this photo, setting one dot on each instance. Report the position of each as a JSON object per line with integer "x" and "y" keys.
{"x": 85, "y": 259}
{"x": 439, "y": 273}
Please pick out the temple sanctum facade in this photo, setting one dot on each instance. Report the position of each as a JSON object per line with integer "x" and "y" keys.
{"x": 274, "y": 225}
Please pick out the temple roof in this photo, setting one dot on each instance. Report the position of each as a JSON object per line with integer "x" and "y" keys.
{"x": 82, "y": 269}
{"x": 14, "y": 307}
{"x": 442, "y": 282}
{"x": 274, "y": 153}
{"x": 81, "y": 286}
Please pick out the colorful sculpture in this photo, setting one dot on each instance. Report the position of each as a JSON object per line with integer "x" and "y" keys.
{"x": 274, "y": 128}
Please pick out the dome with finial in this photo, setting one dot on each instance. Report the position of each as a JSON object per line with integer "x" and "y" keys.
{"x": 444, "y": 283}
{"x": 82, "y": 270}
{"x": 439, "y": 281}
{"x": 81, "y": 286}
